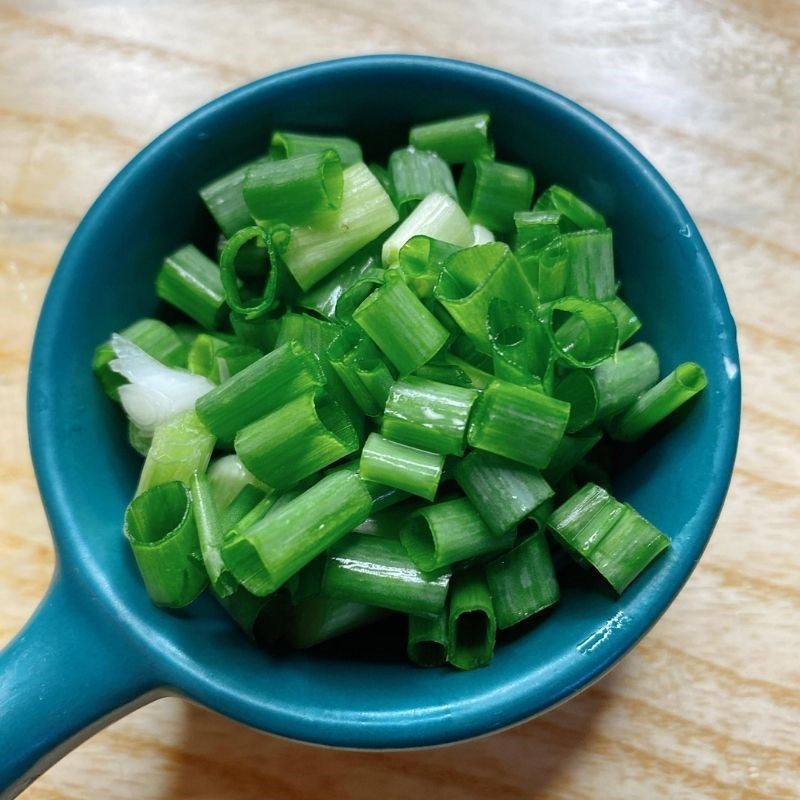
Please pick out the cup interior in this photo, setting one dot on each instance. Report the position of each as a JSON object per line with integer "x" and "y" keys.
{"x": 370, "y": 697}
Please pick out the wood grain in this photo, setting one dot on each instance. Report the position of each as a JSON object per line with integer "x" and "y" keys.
{"x": 708, "y": 706}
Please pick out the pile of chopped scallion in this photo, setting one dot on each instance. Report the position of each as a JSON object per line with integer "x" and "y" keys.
{"x": 388, "y": 393}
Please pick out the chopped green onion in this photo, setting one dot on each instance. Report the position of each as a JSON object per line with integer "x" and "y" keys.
{"x": 518, "y": 423}
{"x": 296, "y": 440}
{"x": 244, "y": 608}
{"x": 230, "y": 281}
{"x": 438, "y": 216}
{"x": 491, "y": 192}
{"x": 397, "y": 321}
{"x": 610, "y": 535}
{"x": 360, "y": 270}
{"x": 227, "y": 477}
{"x": 407, "y": 468}
{"x": 278, "y": 377}
{"x": 456, "y": 140}
{"x": 313, "y": 250}
{"x": 427, "y": 640}
{"x": 293, "y": 189}
{"x": 536, "y": 229}
{"x": 472, "y": 278}
{"x": 179, "y": 447}
{"x": 259, "y": 333}
{"x": 580, "y": 214}
{"x": 471, "y": 625}
{"x": 223, "y": 198}
{"x": 627, "y": 322}
{"x": 156, "y": 338}
{"x": 318, "y": 619}
{"x": 427, "y": 414}
{"x": 570, "y": 450}
{"x": 579, "y": 389}
{"x": 161, "y": 530}
{"x": 440, "y": 535}
{"x": 264, "y": 555}
{"x": 378, "y": 572}
{"x": 520, "y": 346}
{"x": 358, "y": 363}
{"x": 383, "y": 178}
{"x": 504, "y": 492}
{"x": 387, "y": 523}
{"x": 290, "y": 145}
{"x": 481, "y": 235}
{"x": 210, "y": 533}
{"x": 191, "y": 282}
{"x": 522, "y": 581}
{"x": 583, "y": 332}
{"x": 590, "y": 256}
{"x": 417, "y": 173}
{"x": 421, "y": 260}
{"x": 217, "y": 360}
{"x": 623, "y": 377}
{"x": 553, "y": 266}
{"x": 658, "y": 402}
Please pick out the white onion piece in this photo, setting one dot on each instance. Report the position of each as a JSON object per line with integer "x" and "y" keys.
{"x": 154, "y": 392}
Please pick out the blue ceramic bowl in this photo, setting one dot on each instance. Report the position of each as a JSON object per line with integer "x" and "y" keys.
{"x": 97, "y": 647}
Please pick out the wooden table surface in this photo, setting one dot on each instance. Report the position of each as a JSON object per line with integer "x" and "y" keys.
{"x": 709, "y": 704}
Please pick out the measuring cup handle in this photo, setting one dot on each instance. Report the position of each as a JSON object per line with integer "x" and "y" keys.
{"x": 65, "y": 676}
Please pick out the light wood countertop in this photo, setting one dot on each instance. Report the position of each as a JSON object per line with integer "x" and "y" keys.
{"x": 708, "y": 706}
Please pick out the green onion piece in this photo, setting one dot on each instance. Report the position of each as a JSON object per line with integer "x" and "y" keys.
{"x": 472, "y": 278}
{"x": 471, "y": 627}
{"x": 378, "y": 572}
{"x": 313, "y": 250}
{"x": 591, "y": 264}
{"x": 161, "y": 530}
{"x": 156, "y": 338}
{"x": 223, "y": 198}
{"x": 383, "y": 497}
{"x": 417, "y": 173}
{"x": 623, "y": 377}
{"x": 191, "y": 282}
{"x": 440, "y": 535}
{"x": 382, "y": 174}
{"x": 397, "y": 321}
{"x": 259, "y": 333}
{"x": 504, "y": 492}
{"x": 227, "y": 477}
{"x": 438, "y": 216}
{"x": 264, "y": 555}
{"x": 580, "y": 214}
{"x": 293, "y": 189}
{"x": 553, "y": 266}
{"x": 355, "y": 295}
{"x": 249, "y": 310}
{"x": 522, "y": 582}
{"x": 358, "y": 363}
{"x": 407, "y": 468}
{"x": 210, "y": 533}
{"x": 570, "y": 451}
{"x": 275, "y": 379}
{"x": 180, "y": 446}
{"x": 627, "y": 321}
{"x": 358, "y": 270}
{"x": 658, "y": 402}
{"x": 481, "y": 235}
{"x": 518, "y": 423}
{"x": 579, "y": 389}
{"x": 217, "y": 360}
{"x": 250, "y": 258}
{"x": 421, "y": 260}
{"x": 469, "y": 375}
{"x": 427, "y": 640}
{"x": 296, "y": 440}
{"x": 427, "y": 414}
{"x": 536, "y": 229}
{"x": 520, "y": 346}
{"x": 456, "y": 140}
{"x": 491, "y": 192}
{"x": 318, "y": 619}
{"x": 611, "y": 536}
{"x": 290, "y": 145}
{"x": 583, "y": 332}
